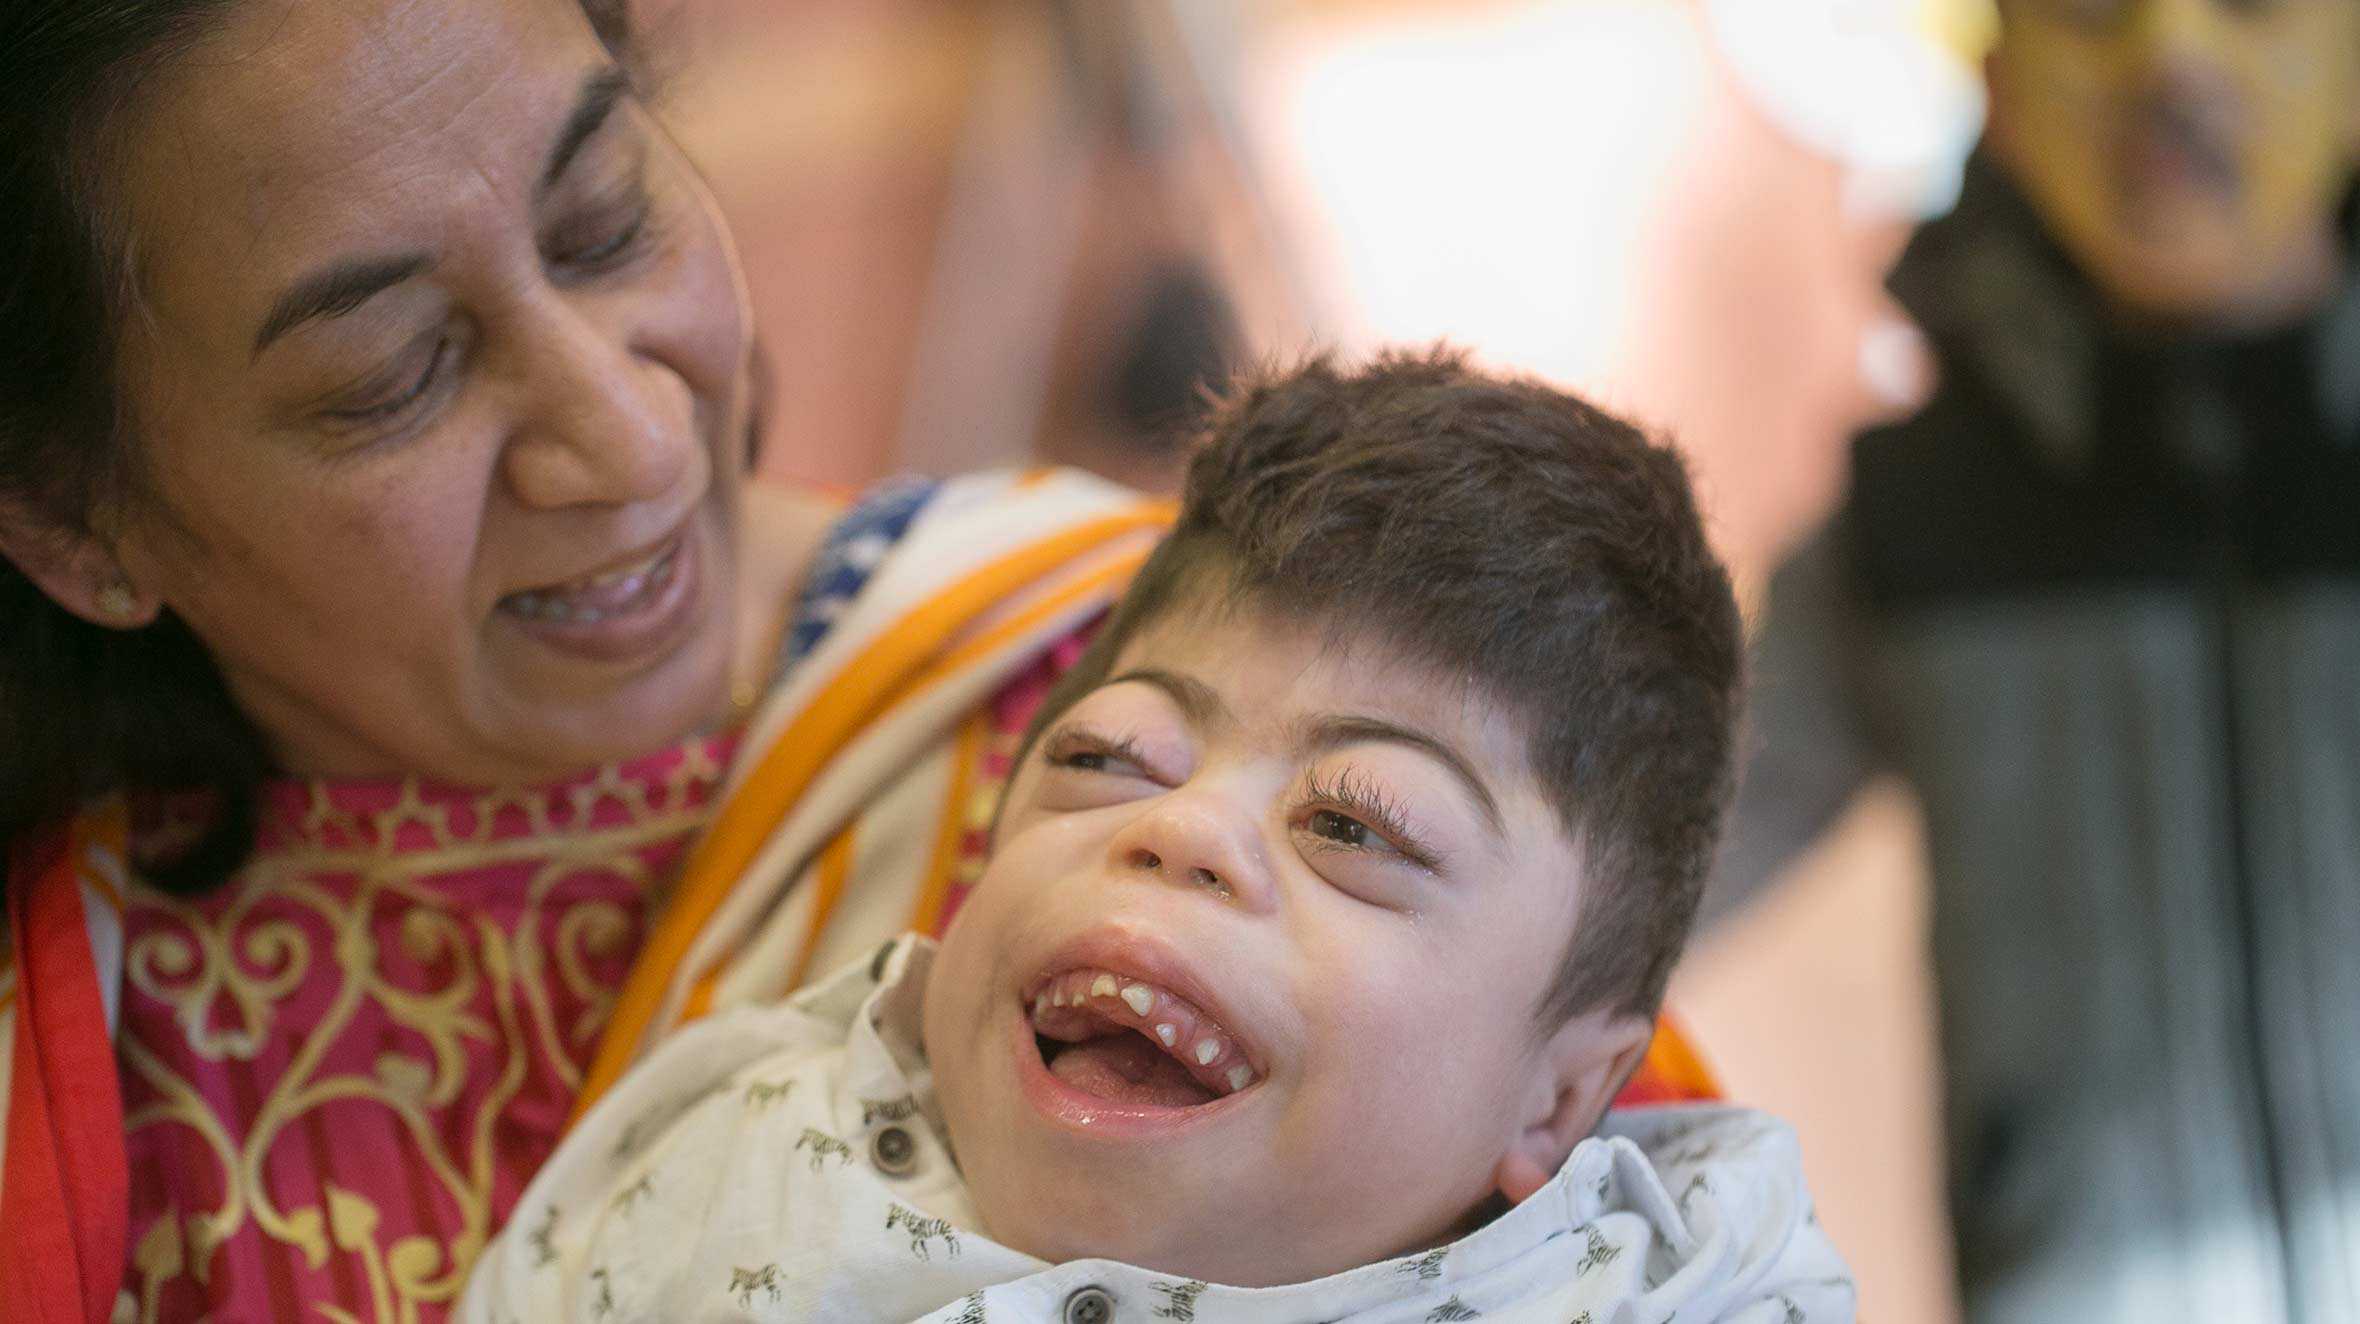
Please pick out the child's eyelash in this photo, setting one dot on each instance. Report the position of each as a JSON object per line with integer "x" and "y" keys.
{"x": 1357, "y": 794}
{"x": 1070, "y": 742}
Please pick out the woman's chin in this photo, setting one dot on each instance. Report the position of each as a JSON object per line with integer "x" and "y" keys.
{"x": 541, "y": 737}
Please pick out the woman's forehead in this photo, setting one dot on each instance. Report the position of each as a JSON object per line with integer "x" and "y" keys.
{"x": 297, "y": 133}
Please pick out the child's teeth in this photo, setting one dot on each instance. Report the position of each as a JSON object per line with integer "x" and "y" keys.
{"x": 1204, "y": 1043}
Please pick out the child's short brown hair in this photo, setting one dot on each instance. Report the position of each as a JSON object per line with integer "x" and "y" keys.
{"x": 1510, "y": 533}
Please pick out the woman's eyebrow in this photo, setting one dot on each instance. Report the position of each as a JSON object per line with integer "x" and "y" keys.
{"x": 1333, "y": 730}
{"x": 335, "y": 290}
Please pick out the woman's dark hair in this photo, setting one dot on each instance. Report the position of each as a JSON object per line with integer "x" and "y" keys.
{"x": 86, "y": 710}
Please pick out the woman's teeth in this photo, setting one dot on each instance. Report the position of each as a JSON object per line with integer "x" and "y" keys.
{"x": 589, "y": 601}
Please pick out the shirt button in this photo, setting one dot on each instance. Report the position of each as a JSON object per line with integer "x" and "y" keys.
{"x": 1090, "y": 1305}
{"x": 894, "y": 1152}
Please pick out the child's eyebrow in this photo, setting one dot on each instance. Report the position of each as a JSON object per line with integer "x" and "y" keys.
{"x": 1197, "y": 701}
{"x": 1330, "y": 731}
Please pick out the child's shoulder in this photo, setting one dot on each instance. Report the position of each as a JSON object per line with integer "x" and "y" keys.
{"x": 1735, "y": 1154}
{"x": 1718, "y": 1186}
{"x": 1688, "y": 1134}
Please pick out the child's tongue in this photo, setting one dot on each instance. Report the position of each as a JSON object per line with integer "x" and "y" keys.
{"x": 1126, "y": 1068}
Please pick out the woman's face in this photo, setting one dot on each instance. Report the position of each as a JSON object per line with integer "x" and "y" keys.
{"x": 438, "y": 380}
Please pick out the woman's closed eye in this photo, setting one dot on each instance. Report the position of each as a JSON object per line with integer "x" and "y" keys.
{"x": 612, "y": 238}
{"x": 394, "y": 396}
{"x": 609, "y": 238}
{"x": 607, "y": 227}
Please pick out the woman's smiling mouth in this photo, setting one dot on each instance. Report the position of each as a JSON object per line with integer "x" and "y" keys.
{"x": 616, "y": 614}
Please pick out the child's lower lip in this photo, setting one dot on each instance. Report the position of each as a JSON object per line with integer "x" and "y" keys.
{"x": 1089, "y": 1115}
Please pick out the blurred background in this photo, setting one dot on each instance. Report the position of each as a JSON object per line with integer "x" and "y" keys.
{"x": 2013, "y": 352}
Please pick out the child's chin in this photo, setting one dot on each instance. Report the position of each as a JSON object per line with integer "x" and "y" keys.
{"x": 1210, "y": 1215}
{"x": 1185, "y": 1245}
{"x": 1158, "y": 1207}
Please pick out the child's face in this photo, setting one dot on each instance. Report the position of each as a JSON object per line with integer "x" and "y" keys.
{"x": 1330, "y": 876}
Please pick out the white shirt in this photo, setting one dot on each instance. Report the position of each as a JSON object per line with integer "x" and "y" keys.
{"x": 789, "y": 1163}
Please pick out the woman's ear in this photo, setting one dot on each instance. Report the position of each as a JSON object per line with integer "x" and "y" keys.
{"x": 75, "y": 569}
{"x": 1579, "y": 1069}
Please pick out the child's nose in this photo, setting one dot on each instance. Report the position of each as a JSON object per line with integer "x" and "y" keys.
{"x": 1185, "y": 842}
{"x": 1149, "y": 862}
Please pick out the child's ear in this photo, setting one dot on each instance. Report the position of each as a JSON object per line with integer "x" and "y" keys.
{"x": 1578, "y": 1071}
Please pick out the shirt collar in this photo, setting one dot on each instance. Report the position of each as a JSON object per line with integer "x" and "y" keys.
{"x": 881, "y": 1003}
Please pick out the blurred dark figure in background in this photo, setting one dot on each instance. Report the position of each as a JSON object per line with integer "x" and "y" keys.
{"x": 1147, "y": 328}
{"x": 1098, "y": 248}
{"x": 2101, "y": 605}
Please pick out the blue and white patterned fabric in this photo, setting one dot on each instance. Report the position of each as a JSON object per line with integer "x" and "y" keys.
{"x": 852, "y": 551}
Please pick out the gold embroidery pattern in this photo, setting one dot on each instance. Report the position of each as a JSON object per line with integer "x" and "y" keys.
{"x": 355, "y": 930}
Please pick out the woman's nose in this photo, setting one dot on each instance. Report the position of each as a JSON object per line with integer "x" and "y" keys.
{"x": 600, "y": 425}
{"x": 1196, "y": 843}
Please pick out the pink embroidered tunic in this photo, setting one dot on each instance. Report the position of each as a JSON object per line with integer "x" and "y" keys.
{"x": 341, "y": 1068}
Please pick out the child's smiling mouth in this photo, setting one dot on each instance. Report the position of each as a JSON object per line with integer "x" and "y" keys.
{"x": 1130, "y": 1041}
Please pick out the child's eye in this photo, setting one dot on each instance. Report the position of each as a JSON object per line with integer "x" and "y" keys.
{"x": 1083, "y": 750}
{"x": 1351, "y": 813}
{"x": 1338, "y": 828}
{"x": 1083, "y": 769}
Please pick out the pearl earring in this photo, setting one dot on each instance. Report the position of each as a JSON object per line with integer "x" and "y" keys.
{"x": 118, "y": 601}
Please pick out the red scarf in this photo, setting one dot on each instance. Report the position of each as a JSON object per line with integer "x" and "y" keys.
{"x": 65, "y": 1195}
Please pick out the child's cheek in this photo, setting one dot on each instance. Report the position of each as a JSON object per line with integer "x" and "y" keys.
{"x": 1387, "y": 1026}
{"x": 1040, "y": 847}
